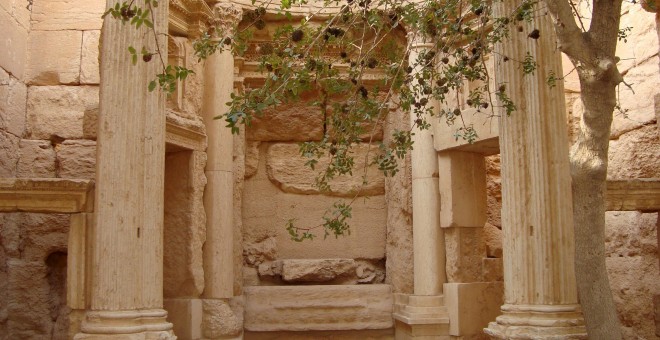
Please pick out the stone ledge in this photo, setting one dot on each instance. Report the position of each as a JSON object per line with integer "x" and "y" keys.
{"x": 318, "y": 308}
{"x": 46, "y": 195}
{"x": 181, "y": 133}
{"x": 635, "y": 194}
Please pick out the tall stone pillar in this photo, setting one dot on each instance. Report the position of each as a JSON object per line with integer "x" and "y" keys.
{"x": 126, "y": 243}
{"x": 423, "y": 314}
{"x": 218, "y": 196}
{"x": 540, "y": 290}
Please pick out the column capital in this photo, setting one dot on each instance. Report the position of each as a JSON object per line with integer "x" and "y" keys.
{"x": 226, "y": 17}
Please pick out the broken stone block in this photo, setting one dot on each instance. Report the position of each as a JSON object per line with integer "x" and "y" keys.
{"x": 270, "y": 268}
{"x": 367, "y": 272}
{"x": 316, "y": 270}
{"x": 256, "y": 253}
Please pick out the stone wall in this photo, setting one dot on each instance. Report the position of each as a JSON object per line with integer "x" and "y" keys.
{"x": 279, "y": 186}
{"x": 33, "y": 257}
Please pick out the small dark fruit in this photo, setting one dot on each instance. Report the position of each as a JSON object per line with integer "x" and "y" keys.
{"x": 363, "y": 92}
{"x": 297, "y": 35}
{"x": 260, "y": 24}
{"x": 147, "y": 57}
{"x": 457, "y": 112}
{"x": 535, "y": 34}
{"x": 372, "y": 63}
{"x": 227, "y": 41}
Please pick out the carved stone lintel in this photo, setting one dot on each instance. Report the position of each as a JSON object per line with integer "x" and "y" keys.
{"x": 226, "y": 17}
{"x": 48, "y": 195}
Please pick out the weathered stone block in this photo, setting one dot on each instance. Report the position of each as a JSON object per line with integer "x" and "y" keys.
{"x": 270, "y": 269}
{"x": 251, "y": 158}
{"x": 316, "y": 270}
{"x": 54, "y": 57}
{"x": 635, "y": 154}
{"x": 221, "y": 318}
{"x": 13, "y": 94}
{"x": 493, "y": 269}
{"x": 37, "y": 159}
{"x": 465, "y": 250}
{"x": 28, "y": 309}
{"x": 58, "y": 110}
{"x": 292, "y": 123}
{"x": 90, "y": 123}
{"x": 35, "y": 236}
{"x": 89, "y": 63}
{"x": 307, "y": 308}
{"x": 185, "y": 224}
{"x": 64, "y": 15}
{"x": 258, "y": 252}
{"x": 287, "y": 169}
{"x": 493, "y": 236}
{"x": 77, "y": 159}
{"x": 13, "y": 53}
{"x": 8, "y": 154}
{"x": 472, "y": 306}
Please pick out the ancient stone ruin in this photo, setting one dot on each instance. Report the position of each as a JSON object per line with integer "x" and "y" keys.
{"x": 126, "y": 214}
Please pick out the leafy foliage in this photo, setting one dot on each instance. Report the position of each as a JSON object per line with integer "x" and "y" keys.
{"x": 337, "y": 58}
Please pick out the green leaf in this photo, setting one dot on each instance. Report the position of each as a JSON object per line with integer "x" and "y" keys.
{"x": 131, "y": 49}
{"x": 152, "y": 86}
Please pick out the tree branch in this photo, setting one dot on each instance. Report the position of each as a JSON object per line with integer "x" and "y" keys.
{"x": 571, "y": 40}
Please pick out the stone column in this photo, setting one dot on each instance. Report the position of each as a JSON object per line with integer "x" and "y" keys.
{"x": 540, "y": 290}
{"x": 423, "y": 314}
{"x": 126, "y": 243}
{"x": 218, "y": 196}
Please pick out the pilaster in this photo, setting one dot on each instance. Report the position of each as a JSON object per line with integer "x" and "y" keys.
{"x": 218, "y": 195}
{"x": 540, "y": 290}
{"x": 126, "y": 241}
{"x": 423, "y": 315}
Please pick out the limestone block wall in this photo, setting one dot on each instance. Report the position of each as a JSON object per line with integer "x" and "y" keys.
{"x": 48, "y": 86}
{"x": 278, "y": 187}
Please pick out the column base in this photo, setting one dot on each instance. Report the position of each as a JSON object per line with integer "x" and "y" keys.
{"x": 145, "y": 324}
{"x": 538, "y": 322}
{"x": 420, "y": 317}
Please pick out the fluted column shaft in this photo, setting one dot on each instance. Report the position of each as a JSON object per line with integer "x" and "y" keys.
{"x": 428, "y": 239}
{"x": 219, "y": 193}
{"x": 126, "y": 272}
{"x": 539, "y": 278}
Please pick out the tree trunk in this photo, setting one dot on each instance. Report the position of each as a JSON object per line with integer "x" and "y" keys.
{"x": 589, "y": 172}
{"x": 593, "y": 54}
